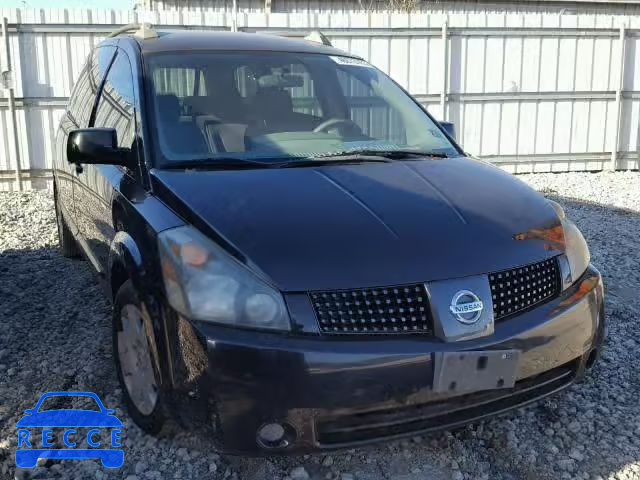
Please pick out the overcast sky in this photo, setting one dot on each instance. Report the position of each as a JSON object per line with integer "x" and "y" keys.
{"x": 107, "y": 4}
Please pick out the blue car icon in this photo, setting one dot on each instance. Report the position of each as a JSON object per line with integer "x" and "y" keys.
{"x": 69, "y": 419}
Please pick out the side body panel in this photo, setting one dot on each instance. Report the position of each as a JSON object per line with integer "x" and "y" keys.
{"x": 64, "y": 173}
{"x": 94, "y": 185}
{"x": 119, "y": 217}
{"x": 77, "y": 115}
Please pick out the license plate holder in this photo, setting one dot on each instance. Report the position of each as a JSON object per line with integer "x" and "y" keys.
{"x": 472, "y": 371}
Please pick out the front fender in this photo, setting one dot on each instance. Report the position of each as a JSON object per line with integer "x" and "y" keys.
{"x": 125, "y": 258}
{"x": 126, "y": 261}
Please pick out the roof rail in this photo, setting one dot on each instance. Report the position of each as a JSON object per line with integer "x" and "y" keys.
{"x": 140, "y": 30}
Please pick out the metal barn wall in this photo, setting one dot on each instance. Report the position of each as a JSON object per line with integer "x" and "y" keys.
{"x": 528, "y": 91}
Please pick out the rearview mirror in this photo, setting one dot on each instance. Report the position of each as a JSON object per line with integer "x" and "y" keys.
{"x": 450, "y": 128}
{"x": 98, "y": 146}
{"x": 281, "y": 81}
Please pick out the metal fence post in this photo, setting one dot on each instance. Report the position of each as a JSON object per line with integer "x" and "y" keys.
{"x": 445, "y": 80}
{"x": 13, "y": 123}
{"x": 234, "y": 18}
{"x": 618, "y": 107}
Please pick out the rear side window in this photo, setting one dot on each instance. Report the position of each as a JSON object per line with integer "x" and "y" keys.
{"x": 84, "y": 92}
{"x": 116, "y": 103}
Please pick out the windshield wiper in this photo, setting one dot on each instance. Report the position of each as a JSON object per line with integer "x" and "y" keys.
{"x": 390, "y": 154}
{"x": 218, "y": 163}
{"x": 229, "y": 163}
{"x": 358, "y": 156}
{"x": 343, "y": 158}
{"x": 320, "y": 161}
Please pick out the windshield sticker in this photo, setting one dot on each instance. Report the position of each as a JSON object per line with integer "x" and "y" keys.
{"x": 356, "y": 62}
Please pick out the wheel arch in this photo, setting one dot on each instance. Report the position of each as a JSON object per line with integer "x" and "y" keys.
{"x": 133, "y": 256}
{"x": 125, "y": 262}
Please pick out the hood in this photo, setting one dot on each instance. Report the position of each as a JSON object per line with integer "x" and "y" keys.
{"x": 371, "y": 224}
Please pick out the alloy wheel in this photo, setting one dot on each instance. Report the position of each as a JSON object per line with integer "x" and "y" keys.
{"x": 135, "y": 360}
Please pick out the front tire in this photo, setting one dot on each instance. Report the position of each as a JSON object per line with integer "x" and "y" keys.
{"x": 134, "y": 365}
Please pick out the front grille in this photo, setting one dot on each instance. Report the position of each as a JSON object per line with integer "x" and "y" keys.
{"x": 401, "y": 309}
{"x": 519, "y": 289}
{"x": 361, "y": 427}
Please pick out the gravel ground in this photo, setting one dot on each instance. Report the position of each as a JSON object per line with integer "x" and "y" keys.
{"x": 55, "y": 335}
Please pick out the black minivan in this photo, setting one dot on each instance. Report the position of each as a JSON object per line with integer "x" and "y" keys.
{"x": 299, "y": 256}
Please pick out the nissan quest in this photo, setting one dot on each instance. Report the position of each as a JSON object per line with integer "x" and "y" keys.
{"x": 300, "y": 257}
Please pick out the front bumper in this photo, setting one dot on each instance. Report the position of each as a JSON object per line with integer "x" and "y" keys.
{"x": 338, "y": 392}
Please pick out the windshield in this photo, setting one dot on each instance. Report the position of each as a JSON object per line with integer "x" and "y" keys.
{"x": 272, "y": 105}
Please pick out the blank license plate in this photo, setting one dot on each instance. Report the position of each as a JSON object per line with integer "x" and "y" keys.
{"x": 458, "y": 372}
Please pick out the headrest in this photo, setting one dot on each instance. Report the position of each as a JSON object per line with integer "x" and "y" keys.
{"x": 274, "y": 101}
{"x": 168, "y": 108}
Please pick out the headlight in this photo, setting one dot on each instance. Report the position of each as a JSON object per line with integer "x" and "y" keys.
{"x": 203, "y": 282}
{"x": 576, "y": 249}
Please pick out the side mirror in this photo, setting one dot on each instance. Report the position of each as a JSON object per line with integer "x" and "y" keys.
{"x": 450, "y": 128}
{"x": 97, "y": 146}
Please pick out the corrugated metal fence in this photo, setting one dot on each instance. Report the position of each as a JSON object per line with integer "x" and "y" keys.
{"x": 531, "y": 92}
{"x": 589, "y": 7}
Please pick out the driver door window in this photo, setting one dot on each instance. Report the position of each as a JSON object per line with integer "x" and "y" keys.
{"x": 116, "y": 104}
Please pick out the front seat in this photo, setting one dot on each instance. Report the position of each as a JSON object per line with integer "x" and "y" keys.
{"x": 273, "y": 109}
{"x": 179, "y": 137}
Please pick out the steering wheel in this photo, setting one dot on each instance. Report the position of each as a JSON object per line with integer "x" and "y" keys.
{"x": 332, "y": 122}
